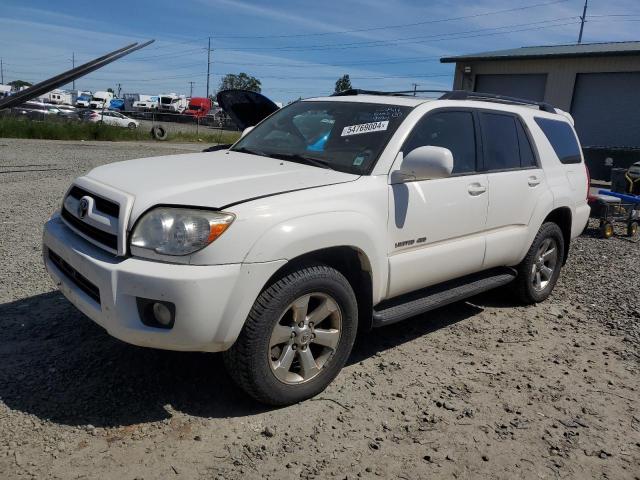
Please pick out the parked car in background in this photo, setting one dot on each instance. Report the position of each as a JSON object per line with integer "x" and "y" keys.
{"x": 109, "y": 117}
{"x": 36, "y": 110}
{"x": 84, "y": 101}
{"x": 198, "y": 107}
{"x": 68, "y": 112}
{"x": 100, "y": 100}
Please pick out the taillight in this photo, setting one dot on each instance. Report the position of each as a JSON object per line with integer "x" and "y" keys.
{"x": 589, "y": 196}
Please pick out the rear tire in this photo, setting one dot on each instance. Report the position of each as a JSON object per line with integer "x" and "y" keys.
{"x": 632, "y": 229}
{"x": 540, "y": 269}
{"x": 282, "y": 356}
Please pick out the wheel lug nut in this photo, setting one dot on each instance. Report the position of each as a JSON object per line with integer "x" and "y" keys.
{"x": 294, "y": 347}
{"x": 301, "y": 325}
{"x": 311, "y": 324}
{"x": 293, "y": 334}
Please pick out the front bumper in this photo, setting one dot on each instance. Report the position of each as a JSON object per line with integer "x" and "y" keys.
{"x": 212, "y": 302}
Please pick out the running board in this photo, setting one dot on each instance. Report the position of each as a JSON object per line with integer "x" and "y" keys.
{"x": 421, "y": 301}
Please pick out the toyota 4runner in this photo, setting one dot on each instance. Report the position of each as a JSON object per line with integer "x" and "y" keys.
{"x": 331, "y": 216}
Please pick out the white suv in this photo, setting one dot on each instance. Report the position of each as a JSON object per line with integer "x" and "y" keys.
{"x": 333, "y": 215}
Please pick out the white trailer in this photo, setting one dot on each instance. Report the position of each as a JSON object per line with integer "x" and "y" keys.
{"x": 60, "y": 97}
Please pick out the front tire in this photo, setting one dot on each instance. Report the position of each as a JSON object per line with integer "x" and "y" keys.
{"x": 297, "y": 337}
{"x": 540, "y": 269}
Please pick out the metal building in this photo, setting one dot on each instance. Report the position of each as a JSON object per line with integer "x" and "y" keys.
{"x": 599, "y": 83}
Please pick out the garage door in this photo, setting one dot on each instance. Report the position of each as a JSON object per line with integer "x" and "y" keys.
{"x": 529, "y": 86}
{"x": 606, "y": 109}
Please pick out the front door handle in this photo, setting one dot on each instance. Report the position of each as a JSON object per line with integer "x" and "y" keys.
{"x": 476, "y": 189}
{"x": 534, "y": 181}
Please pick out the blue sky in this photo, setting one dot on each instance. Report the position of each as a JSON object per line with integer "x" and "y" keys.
{"x": 296, "y": 48}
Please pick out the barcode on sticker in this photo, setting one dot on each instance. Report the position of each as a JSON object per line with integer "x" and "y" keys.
{"x": 365, "y": 128}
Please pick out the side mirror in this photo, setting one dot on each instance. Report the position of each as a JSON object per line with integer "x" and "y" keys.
{"x": 246, "y": 130}
{"x": 425, "y": 163}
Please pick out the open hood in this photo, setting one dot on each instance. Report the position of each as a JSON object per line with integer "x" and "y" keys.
{"x": 245, "y": 108}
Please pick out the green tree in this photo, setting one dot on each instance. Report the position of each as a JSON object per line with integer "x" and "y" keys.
{"x": 343, "y": 84}
{"x": 110, "y": 90}
{"x": 19, "y": 84}
{"x": 241, "y": 81}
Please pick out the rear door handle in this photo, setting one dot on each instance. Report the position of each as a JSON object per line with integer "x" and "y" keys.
{"x": 534, "y": 181}
{"x": 476, "y": 189}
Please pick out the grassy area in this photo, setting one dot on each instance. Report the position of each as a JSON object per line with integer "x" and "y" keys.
{"x": 58, "y": 130}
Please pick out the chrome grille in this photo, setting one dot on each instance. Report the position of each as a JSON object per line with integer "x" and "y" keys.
{"x": 98, "y": 222}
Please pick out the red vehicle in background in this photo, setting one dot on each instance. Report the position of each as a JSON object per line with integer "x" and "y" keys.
{"x": 198, "y": 107}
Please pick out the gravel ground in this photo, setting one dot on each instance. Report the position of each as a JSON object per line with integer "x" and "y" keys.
{"x": 480, "y": 389}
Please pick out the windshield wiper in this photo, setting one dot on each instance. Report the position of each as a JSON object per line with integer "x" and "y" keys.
{"x": 249, "y": 151}
{"x": 295, "y": 157}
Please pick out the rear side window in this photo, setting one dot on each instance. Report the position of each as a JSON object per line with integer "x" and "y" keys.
{"x": 452, "y": 130}
{"x": 500, "y": 141}
{"x": 527, "y": 157}
{"x": 562, "y": 139}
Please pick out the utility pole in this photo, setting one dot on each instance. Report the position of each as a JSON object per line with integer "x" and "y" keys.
{"x": 73, "y": 65}
{"x": 415, "y": 87}
{"x": 119, "y": 89}
{"x": 583, "y": 19}
{"x": 208, "y": 65}
{"x": 191, "y": 89}
{"x": 1, "y": 72}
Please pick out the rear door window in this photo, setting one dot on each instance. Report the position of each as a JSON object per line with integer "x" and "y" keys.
{"x": 500, "y": 141}
{"x": 453, "y": 130}
{"x": 562, "y": 139}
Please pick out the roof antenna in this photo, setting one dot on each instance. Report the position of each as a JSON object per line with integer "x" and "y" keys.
{"x": 583, "y": 19}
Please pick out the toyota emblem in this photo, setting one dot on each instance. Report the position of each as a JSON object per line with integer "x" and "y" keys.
{"x": 83, "y": 207}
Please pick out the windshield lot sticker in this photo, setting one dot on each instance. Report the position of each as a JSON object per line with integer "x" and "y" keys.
{"x": 364, "y": 128}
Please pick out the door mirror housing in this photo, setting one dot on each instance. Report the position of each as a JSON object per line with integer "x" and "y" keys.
{"x": 246, "y": 130}
{"x": 424, "y": 163}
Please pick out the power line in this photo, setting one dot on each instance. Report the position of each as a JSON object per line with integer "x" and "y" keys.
{"x": 417, "y": 39}
{"x": 403, "y": 25}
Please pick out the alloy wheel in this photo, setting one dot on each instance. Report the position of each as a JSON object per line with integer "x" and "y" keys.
{"x": 545, "y": 264}
{"x": 305, "y": 338}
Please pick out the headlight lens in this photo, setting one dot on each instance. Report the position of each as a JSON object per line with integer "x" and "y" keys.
{"x": 179, "y": 231}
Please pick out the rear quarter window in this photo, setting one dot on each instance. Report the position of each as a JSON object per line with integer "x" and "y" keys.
{"x": 562, "y": 139}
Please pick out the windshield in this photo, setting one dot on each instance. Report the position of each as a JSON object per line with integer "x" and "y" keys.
{"x": 165, "y": 100}
{"x": 345, "y": 136}
{"x": 98, "y": 99}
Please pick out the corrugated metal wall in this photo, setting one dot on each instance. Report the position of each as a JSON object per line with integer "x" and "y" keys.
{"x": 606, "y": 109}
{"x": 530, "y": 85}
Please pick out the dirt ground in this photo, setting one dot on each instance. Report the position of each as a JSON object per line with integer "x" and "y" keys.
{"x": 480, "y": 389}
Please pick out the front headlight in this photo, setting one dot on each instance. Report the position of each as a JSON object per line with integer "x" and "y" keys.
{"x": 179, "y": 231}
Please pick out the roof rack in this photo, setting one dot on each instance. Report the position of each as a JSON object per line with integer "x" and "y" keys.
{"x": 455, "y": 95}
{"x": 491, "y": 97}
{"x": 399, "y": 93}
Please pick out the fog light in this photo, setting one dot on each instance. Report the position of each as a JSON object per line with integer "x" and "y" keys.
{"x": 162, "y": 314}
{"x": 156, "y": 313}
